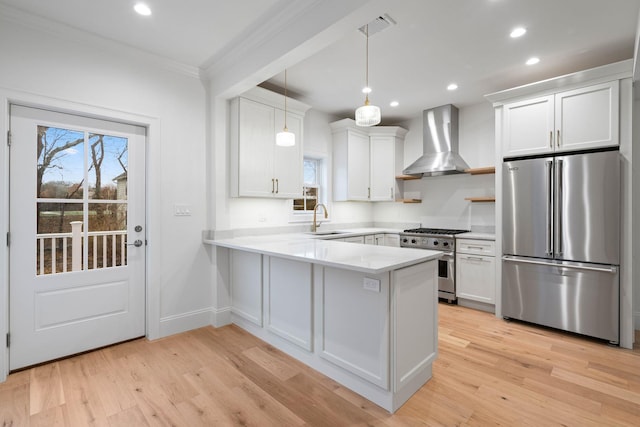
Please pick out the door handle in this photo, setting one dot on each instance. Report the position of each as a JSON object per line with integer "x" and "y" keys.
{"x": 549, "y": 210}
{"x": 137, "y": 243}
{"x": 558, "y": 139}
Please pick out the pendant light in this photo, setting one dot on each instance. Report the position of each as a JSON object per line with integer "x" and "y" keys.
{"x": 367, "y": 115}
{"x": 285, "y": 138}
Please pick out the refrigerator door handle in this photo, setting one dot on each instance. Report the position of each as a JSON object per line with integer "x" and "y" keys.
{"x": 559, "y": 213}
{"x": 610, "y": 269}
{"x": 549, "y": 212}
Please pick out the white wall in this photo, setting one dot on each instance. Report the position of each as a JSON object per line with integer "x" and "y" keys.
{"x": 63, "y": 68}
{"x": 443, "y": 198}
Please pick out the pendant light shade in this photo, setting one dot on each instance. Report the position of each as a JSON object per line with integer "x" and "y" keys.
{"x": 285, "y": 138}
{"x": 367, "y": 115}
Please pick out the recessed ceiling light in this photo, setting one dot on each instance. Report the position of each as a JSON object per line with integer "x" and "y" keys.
{"x": 366, "y": 89}
{"x": 142, "y": 9}
{"x": 533, "y": 60}
{"x": 518, "y": 32}
{"x": 394, "y": 103}
{"x": 452, "y": 86}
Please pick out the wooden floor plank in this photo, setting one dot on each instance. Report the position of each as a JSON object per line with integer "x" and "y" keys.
{"x": 488, "y": 372}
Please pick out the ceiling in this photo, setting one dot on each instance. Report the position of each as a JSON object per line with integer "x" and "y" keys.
{"x": 434, "y": 43}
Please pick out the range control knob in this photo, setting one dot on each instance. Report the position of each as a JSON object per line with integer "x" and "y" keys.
{"x": 405, "y": 240}
{"x": 445, "y": 244}
{"x": 435, "y": 243}
{"x": 413, "y": 241}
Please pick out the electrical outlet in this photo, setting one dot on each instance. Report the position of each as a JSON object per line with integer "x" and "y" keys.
{"x": 182, "y": 210}
{"x": 372, "y": 285}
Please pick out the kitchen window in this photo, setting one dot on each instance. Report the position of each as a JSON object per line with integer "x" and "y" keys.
{"x": 314, "y": 183}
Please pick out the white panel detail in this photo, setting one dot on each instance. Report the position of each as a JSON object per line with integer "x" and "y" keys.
{"x": 355, "y": 325}
{"x": 415, "y": 311}
{"x": 289, "y": 301}
{"x": 371, "y": 284}
{"x": 246, "y": 289}
{"x": 81, "y": 304}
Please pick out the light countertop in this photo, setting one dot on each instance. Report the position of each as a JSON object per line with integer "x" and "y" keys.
{"x": 476, "y": 236}
{"x": 370, "y": 259}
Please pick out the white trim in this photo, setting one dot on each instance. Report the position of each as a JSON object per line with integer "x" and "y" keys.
{"x": 183, "y": 322}
{"x": 9, "y": 96}
{"x": 602, "y": 74}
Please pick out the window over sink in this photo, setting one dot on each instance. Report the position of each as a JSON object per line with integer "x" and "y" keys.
{"x": 313, "y": 190}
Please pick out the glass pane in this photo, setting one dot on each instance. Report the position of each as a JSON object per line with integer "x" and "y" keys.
{"x": 310, "y": 169}
{"x": 108, "y": 158}
{"x": 107, "y": 235}
{"x": 55, "y": 240}
{"x": 60, "y": 170}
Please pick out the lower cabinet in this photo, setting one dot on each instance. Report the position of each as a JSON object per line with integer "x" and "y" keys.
{"x": 376, "y": 334}
{"x": 288, "y": 300}
{"x": 476, "y": 270}
{"x": 246, "y": 286}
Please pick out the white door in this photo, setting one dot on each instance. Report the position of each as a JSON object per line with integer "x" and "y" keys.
{"x": 77, "y": 200}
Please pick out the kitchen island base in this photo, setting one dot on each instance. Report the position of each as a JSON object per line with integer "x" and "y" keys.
{"x": 376, "y": 334}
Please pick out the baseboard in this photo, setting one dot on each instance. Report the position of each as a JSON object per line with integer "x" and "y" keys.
{"x": 185, "y": 322}
{"x": 221, "y": 317}
{"x": 476, "y": 305}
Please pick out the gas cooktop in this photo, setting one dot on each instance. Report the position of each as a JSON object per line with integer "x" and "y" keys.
{"x": 436, "y": 231}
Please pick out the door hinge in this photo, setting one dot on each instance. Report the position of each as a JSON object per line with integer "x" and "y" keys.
{"x": 9, "y": 138}
{"x": 8, "y": 339}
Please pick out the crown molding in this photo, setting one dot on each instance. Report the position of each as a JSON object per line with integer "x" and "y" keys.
{"x": 16, "y": 16}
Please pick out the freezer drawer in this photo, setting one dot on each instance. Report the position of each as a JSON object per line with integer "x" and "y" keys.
{"x": 576, "y": 297}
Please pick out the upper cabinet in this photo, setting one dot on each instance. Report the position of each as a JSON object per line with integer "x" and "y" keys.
{"x": 366, "y": 161}
{"x": 258, "y": 167}
{"x": 578, "y": 119}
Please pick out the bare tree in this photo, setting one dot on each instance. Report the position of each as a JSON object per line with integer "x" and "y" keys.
{"x": 52, "y": 146}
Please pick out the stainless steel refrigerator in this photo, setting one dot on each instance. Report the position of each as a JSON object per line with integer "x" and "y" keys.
{"x": 561, "y": 242}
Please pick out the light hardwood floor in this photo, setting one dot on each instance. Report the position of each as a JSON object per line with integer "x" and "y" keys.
{"x": 489, "y": 372}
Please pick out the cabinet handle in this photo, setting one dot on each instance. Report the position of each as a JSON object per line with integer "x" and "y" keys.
{"x": 550, "y": 139}
{"x": 368, "y": 192}
{"x": 475, "y": 247}
{"x": 277, "y": 186}
{"x": 558, "y": 140}
{"x": 273, "y": 184}
{"x": 474, "y": 258}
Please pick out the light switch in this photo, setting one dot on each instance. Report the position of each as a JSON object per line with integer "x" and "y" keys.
{"x": 182, "y": 210}
{"x": 372, "y": 285}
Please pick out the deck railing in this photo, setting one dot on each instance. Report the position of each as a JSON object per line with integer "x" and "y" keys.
{"x": 105, "y": 249}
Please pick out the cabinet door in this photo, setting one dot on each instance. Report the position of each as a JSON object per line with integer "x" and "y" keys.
{"x": 392, "y": 240}
{"x": 475, "y": 278}
{"x": 587, "y": 117}
{"x": 288, "y": 160}
{"x": 256, "y": 139}
{"x": 382, "y": 167}
{"x": 358, "y": 166}
{"x": 528, "y": 127}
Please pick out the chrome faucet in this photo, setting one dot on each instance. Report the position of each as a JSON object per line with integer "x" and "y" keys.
{"x": 315, "y": 225}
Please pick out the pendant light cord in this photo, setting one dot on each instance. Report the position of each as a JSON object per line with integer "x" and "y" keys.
{"x": 366, "y": 29}
{"x": 285, "y": 99}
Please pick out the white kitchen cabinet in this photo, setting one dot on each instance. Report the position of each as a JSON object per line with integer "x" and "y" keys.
{"x": 366, "y": 161}
{"x": 577, "y": 119}
{"x": 258, "y": 167}
{"x": 246, "y": 285}
{"x": 354, "y": 239}
{"x": 357, "y": 341}
{"x": 289, "y": 300}
{"x": 476, "y": 270}
{"x": 392, "y": 240}
{"x": 370, "y": 239}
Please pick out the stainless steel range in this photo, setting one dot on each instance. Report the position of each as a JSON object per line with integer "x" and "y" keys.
{"x": 439, "y": 239}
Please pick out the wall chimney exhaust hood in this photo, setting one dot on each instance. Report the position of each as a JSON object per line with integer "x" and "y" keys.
{"x": 440, "y": 144}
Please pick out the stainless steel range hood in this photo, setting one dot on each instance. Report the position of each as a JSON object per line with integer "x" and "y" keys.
{"x": 440, "y": 144}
